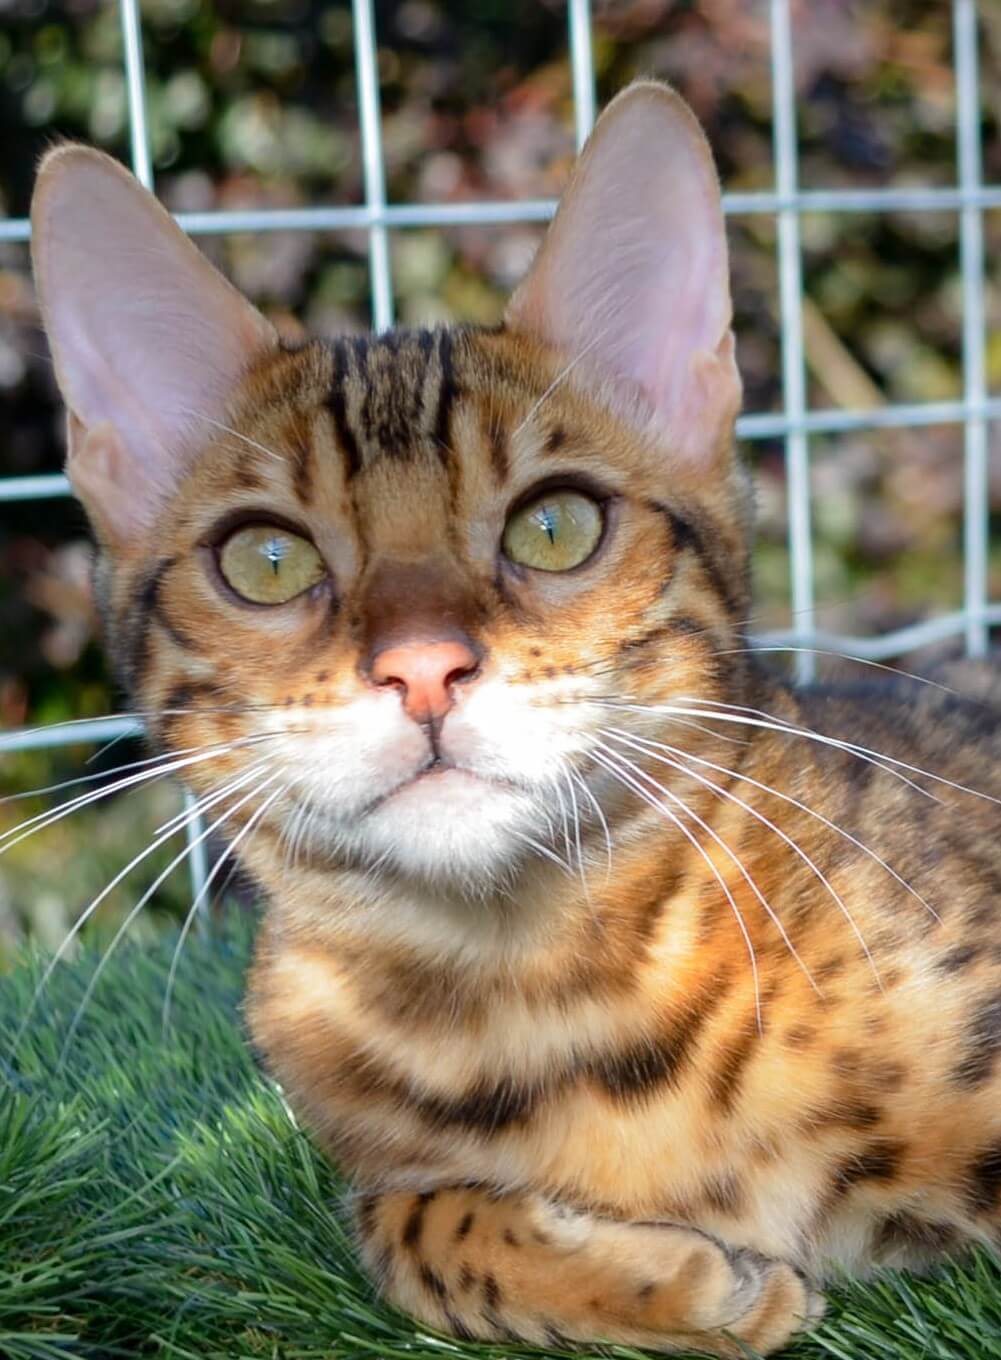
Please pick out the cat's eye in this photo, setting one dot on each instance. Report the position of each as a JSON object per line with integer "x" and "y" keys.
{"x": 555, "y": 532}
{"x": 266, "y": 564}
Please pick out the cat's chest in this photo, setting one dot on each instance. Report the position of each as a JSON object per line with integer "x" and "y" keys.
{"x": 581, "y": 1101}
{"x": 567, "y": 1102}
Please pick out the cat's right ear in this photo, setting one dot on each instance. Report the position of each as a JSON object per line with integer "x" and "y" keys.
{"x": 148, "y": 339}
{"x": 632, "y": 276}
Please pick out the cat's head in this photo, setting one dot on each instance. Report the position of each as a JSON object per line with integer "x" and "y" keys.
{"x": 379, "y": 592}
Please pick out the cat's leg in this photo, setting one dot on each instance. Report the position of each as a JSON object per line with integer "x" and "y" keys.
{"x": 478, "y": 1265}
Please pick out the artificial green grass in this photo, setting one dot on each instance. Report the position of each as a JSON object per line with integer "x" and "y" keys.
{"x": 157, "y": 1199}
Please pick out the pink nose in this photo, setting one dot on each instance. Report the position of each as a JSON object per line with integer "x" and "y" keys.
{"x": 426, "y": 672}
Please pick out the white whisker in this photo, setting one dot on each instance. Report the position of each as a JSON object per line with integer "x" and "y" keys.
{"x": 545, "y": 852}
{"x": 228, "y": 429}
{"x": 803, "y": 807}
{"x": 78, "y": 925}
{"x": 194, "y": 807}
{"x": 727, "y": 850}
{"x": 42, "y": 820}
{"x": 879, "y": 758}
{"x": 777, "y": 830}
{"x": 575, "y": 817}
{"x": 847, "y": 656}
{"x": 564, "y": 822}
{"x": 563, "y": 374}
{"x": 592, "y": 799}
{"x": 738, "y": 715}
{"x": 108, "y": 746}
{"x": 228, "y": 853}
{"x": 178, "y": 859}
{"x": 708, "y": 731}
{"x": 624, "y": 778}
{"x": 106, "y": 774}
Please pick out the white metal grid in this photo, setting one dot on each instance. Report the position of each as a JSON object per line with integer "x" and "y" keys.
{"x": 787, "y": 202}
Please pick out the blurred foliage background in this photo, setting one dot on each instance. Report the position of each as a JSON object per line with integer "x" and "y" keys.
{"x": 253, "y": 104}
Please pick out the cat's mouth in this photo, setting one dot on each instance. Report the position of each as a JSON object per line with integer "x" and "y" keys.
{"x": 439, "y": 772}
{"x": 437, "y": 768}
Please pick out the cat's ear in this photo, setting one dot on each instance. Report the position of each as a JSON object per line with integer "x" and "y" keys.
{"x": 632, "y": 279}
{"x": 148, "y": 339}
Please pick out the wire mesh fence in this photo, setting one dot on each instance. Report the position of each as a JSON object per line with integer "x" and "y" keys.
{"x": 786, "y": 202}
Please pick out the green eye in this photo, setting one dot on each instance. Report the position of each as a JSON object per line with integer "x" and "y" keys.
{"x": 558, "y": 531}
{"x": 269, "y": 565}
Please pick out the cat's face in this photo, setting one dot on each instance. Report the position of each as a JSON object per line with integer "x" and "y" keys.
{"x": 387, "y": 584}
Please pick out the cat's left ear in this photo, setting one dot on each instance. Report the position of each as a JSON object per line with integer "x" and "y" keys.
{"x": 632, "y": 279}
{"x": 149, "y": 340}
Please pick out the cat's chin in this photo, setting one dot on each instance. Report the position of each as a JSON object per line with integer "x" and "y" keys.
{"x": 449, "y": 824}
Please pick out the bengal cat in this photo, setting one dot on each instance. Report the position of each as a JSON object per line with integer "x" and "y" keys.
{"x": 636, "y": 991}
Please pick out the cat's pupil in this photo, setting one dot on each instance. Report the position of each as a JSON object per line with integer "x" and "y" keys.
{"x": 275, "y": 550}
{"x": 547, "y": 522}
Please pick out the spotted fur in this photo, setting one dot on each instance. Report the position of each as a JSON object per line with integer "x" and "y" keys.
{"x": 591, "y": 1104}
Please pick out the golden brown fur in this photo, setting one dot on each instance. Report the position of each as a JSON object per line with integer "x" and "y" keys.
{"x": 584, "y": 1100}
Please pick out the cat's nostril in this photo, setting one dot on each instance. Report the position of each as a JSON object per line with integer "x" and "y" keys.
{"x": 426, "y": 672}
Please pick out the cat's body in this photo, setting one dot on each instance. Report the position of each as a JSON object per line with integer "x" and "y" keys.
{"x": 627, "y": 993}
{"x": 620, "y": 1067}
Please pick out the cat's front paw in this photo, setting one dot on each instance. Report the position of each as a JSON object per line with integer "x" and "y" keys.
{"x": 673, "y": 1288}
{"x": 501, "y": 1267}
{"x": 772, "y": 1303}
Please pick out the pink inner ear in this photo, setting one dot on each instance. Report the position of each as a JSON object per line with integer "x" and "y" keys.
{"x": 146, "y": 335}
{"x": 634, "y": 268}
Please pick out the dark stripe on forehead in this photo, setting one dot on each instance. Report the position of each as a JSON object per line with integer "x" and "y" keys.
{"x": 448, "y": 390}
{"x": 302, "y": 472}
{"x": 245, "y": 474}
{"x": 338, "y": 407}
{"x": 499, "y": 460}
{"x": 301, "y": 437}
{"x": 555, "y": 439}
{"x": 393, "y": 409}
{"x": 366, "y": 410}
